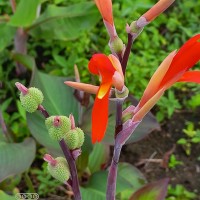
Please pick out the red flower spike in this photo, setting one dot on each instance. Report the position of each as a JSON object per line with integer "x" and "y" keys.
{"x": 177, "y": 71}
{"x": 106, "y": 67}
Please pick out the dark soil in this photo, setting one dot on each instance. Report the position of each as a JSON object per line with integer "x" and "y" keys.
{"x": 157, "y": 144}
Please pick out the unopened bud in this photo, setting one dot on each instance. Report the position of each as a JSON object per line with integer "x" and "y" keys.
{"x": 134, "y": 29}
{"x": 74, "y": 138}
{"x": 117, "y": 45}
{"x": 59, "y": 169}
{"x": 57, "y": 126}
{"x": 32, "y": 99}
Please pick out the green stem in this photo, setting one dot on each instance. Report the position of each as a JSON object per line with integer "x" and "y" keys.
{"x": 29, "y": 182}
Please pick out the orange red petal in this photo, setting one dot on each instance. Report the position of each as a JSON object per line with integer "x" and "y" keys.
{"x": 190, "y": 76}
{"x": 100, "y": 117}
{"x": 105, "y": 8}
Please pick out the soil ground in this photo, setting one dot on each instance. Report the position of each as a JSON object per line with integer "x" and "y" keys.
{"x": 155, "y": 146}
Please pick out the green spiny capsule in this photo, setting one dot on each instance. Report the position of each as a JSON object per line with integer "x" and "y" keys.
{"x": 60, "y": 170}
{"x": 72, "y": 139}
{"x": 57, "y": 126}
{"x": 32, "y": 99}
{"x": 81, "y": 137}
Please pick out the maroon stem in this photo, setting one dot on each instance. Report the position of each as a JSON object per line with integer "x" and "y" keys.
{"x": 70, "y": 160}
{"x": 73, "y": 171}
{"x": 127, "y": 53}
{"x": 112, "y": 175}
{"x": 13, "y": 5}
{"x": 4, "y": 128}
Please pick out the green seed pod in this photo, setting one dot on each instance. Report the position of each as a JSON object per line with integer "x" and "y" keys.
{"x": 122, "y": 94}
{"x": 57, "y": 126}
{"x": 117, "y": 45}
{"x": 81, "y": 137}
{"x": 60, "y": 170}
{"x": 32, "y": 99}
{"x": 71, "y": 139}
{"x": 127, "y": 116}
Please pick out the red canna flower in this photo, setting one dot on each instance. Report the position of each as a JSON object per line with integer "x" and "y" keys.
{"x": 108, "y": 68}
{"x": 173, "y": 69}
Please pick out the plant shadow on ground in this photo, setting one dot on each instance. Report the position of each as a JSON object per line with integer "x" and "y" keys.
{"x": 158, "y": 143}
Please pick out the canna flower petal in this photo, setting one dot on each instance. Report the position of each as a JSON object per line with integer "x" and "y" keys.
{"x": 155, "y": 80}
{"x": 187, "y": 57}
{"x": 190, "y": 76}
{"x": 105, "y": 8}
{"x": 100, "y": 117}
{"x": 110, "y": 71}
{"x": 92, "y": 89}
{"x": 157, "y": 9}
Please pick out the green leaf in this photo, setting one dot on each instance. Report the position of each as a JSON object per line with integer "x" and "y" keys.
{"x": 25, "y": 14}
{"x": 98, "y": 157}
{"x": 6, "y": 35}
{"x": 147, "y": 125}
{"x": 5, "y": 196}
{"x": 16, "y": 157}
{"x": 65, "y": 23}
{"x": 152, "y": 191}
{"x": 26, "y": 60}
{"x": 58, "y": 100}
{"x": 129, "y": 178}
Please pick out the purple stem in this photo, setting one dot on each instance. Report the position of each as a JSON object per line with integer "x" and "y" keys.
{"x": 127, "y": 53}
{"x": 3, "y": 126}
{"x": 73, "y": 171}
{"x": 118, "y": 125}
{"x": 112, "y": 175}
{"x": 70, "y": 160}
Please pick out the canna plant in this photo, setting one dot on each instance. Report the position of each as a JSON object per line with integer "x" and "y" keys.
{"x": 111, "y": 70}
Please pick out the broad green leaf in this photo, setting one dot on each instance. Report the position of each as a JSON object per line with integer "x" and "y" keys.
{"x": 129, "y": 178}
{"x": 65, "y": 23}
{"x": 7, "y": 34}
{"x": 148, "y": 124}
{"x": 98, "y": 157}
{"x": 58, "y": 100}
{"x": 25, "y": 14}
{"x": 5, "y": 196}
{"x": 128, "y": 173}
{"x": 26, "y": 60}
{"x": 16, "y": 157}
{"x": 152, "y": 191}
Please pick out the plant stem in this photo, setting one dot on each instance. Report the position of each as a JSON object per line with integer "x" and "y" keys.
{"x": 70, "y": 160}
{"x": 73, "y": 171}
{"x": 118, "y": 125}
{"x": 29, "y": 182}
{"x": 4, "y": 128}
{"x": 127, "y": 53}
{"x": 112, "y": 175}
{"x": 13, "y": 5}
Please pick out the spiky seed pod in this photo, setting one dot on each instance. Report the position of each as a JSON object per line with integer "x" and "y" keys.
{"x": 71, "y": 139}
{"x": 60, "y": 170}
{"x": 81, "y": 137}
{"x": 57, "y": 126}
{"x": 32, "y": 99}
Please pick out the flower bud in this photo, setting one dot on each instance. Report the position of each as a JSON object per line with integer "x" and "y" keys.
{"x": 59, "y": 170}
{"x": 57, "y": 126}
{"x": 122, "y": 94}
{"x": 134, "y": 29}
{"x": 74, "y": 138}
{"x": 117, "y": 45}
{"x": 32, "y": 99}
